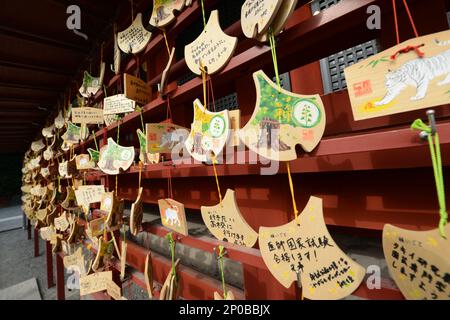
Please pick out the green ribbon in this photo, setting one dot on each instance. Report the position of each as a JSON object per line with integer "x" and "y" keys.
{"x": 95, "y": 140}
{"x": 274, "y": 56}
{"x": 169, "y": 237}
{"x": 436, "y": 159}
{"x": 221, "y": 254}
{"x": 203, "y": 13}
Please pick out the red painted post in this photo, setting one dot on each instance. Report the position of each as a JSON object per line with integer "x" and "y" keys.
{"x": 36, "y": 242}
{"x": 49, "y": 256}
{"x": 29, "y": 229}
{"x": 60, "y": 293}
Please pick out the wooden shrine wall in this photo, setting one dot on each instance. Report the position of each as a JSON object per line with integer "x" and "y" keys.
{"x": 368, "y": 173}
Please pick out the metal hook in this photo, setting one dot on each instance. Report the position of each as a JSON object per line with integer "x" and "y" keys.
{"x": 432, "y": 121}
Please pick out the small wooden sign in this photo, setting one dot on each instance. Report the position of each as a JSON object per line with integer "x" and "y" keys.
{"x": 391, "y": 82}
{"x": 88, "y": 194}
{"x": 135, "y": 38}
{"x": 226, "y": 222}
{"x": 62, "y": 170}
{"x": 162, "y": 13}
{"x": 281, "y": 120}
{"x": 118, "y": 104}
{"x": 112, "y": 206}
{"x": 48, "y": 132}
{"x": 70, "y": 202}
{"x": 148, "y": 275}
{"x": 46, "y": 233}
{"x": 113, "y": 290}
{"x": 42, "y": 214}
{"x": 144, "y": 156}
{"x": 136, "y": 214}
{"x": 163, "y": 137}
{"x": 137, "y": 89}
{"x": 37, "y": 145}
{"x": 114, "y": 157}
{"x": 419, "y": 262}
{"x": 209, "y": 132}
{"x": 96, "y": 227}
{"x": 95, "y": 282}
{"x": 87, "y": 115}
{"x": 59, "y": 120}
{"x": 306, "y": 248}
{"x": 75, "y": 259}
{"x": 173, "y": 216}
{"x": 74, "y": 133}
{"x": 257, "y": 16}
{"x": 213, "y": 48}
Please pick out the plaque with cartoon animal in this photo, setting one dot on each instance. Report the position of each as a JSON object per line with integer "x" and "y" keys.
{"x": 419, "y": 262}
{"x": 144, "y": 156}
{"x": 284, "y": 13}
{"x": 92, "y": 84}
{"x": 226, "y": 222}
{"x": 114, "y": 157}
{"x": 213, "y": 48}
{"x": 163, "y": 12}
{"x": 173, "y": 216}
{"x": 257, "y": 16}
{"x": 412, "y": 75}
{"x": 281, "y": 120}
{"x": 306, "y": 247}
{"x": 136, "y": 214}
{"x": 135, "y": 38}
{"x": 163, "y": 137}
{"x": 209, "y": 132}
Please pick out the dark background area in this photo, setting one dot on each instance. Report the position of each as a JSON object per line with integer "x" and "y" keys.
{"x": 10, "y": 178}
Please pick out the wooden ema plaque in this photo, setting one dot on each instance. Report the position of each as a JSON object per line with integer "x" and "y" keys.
{"x": 96, "y": 227}
{"x": 163, "y": 137}
{"x": 136, "y": 214}
{"x": 114, "y": 157}
{"x": 95, "y": 282}
{"x": 88, "y": 194}
{"x": 92, "y": 84}
{"x": 61, "y": 222}
{"x": 137, "y": 89}
{"x": 117, "y": 104}
{"x": 144, "y": 156}
{"x": 83, "y": 162}
{"x": 135, "y": 38}
{"x": 213, "y": 48}
{"x": 59, "y": 121}
{"x": 173, "y": 216}
{"x": 325, "y": 271}
{"x": 419, "y": 262}
{"x": 163, "y": 12}
{"x": 87, "y": 115}
{"x": 226, "y": 222}
{"x": 70, "y": 202}
{"x": 111, "y": 205}
{"x": 104, "y": 253}
{"x": 62, "y": 170}
{"x": 281, "y": 120}
{"x": 74, "y": 133}
{"x": 209, "y": 132}
{"x": 257, "y": 16}
{"x": 283, "y": 14}
{"x": 148, "y": 274}
{"x": 48, "y": 132}
{"x": 380, "y": 85}
{"x": 37, "y": 146}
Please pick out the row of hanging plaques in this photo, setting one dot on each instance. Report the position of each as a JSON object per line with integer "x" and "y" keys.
{"x": 281, "y": 120}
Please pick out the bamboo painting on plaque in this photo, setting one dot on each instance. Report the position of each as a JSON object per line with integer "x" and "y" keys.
{"x": 399, "y": 79}
{"x": 281, "y": 120}
{"x": 226, "y": 222}
{"x": 209, "y": 132}
{"x": 306, "y": 248}
{"x": 419, "y": 262}
{"x": 213, "y": 48}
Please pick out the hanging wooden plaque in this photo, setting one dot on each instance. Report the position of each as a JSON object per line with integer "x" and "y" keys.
{"x": 87, "y": 115}
{"x": 392, "y": 82}
{"x": 137, "y": 90}
{"x": 144, "y": 156}
{"x": 61, "y": 223}
{"x": 60, "y": 121}
{"x": 70, "y": 202}
{"x": 117, "y": 104}
{"x": 114, "y": 157}
{"x": 111, "y": 205}
{"x": 213, "y": 48}
{"x": 419, "y": 262}
{"x": 37, "y": 146}
{"x": 88, "y": 194}
{"x": 135, "y": 38}
{"x": 306, "y": 247}
{"x": 96, "y": 227}
{"x": 173, "y": 216}
{"x": 281, "y": 120}
{"x": 92, "y": 84}
{"x": 226, "y": 222}
{"x": 113, "y": 290}
{"x": 136, "y": 214}
{"x": 62, "y": 170}
{"x": 95, "y": 282}
{"x": 48, "y": 132}
{"x": 163, "y": 137}
{"x": 83, "y": 162}
{"x": 257, "y": 16}
{"x": 95, "y": 155}
{"x": 74, "y": 133}
{"x": 148, "y": 274}
{"x": 209, "y": 132}
{"x": 162, "y": 13}
{"x": 284, "y": 13}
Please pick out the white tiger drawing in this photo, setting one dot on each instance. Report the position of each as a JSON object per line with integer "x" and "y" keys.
{"x": 417, "y": 73}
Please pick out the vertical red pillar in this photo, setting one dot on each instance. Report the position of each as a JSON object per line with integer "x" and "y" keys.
{"x": 60, "y": 294}
{"x": 48, "y": 252}
{"x": 36, "y": 242}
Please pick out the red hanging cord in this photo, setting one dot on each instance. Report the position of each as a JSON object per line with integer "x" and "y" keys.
{"x": 395, "y": 21}
{"x": 411, "y": 20}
